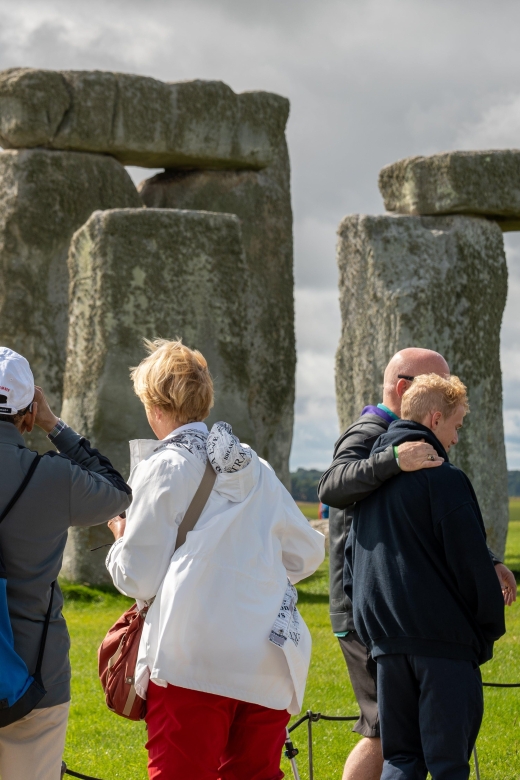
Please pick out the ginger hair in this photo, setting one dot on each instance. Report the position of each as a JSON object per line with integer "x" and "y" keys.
{"x": 174, "y": 378}
{"x": 433, "y": 393}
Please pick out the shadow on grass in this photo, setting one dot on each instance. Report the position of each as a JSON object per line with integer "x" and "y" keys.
{"x": 88, "y": 594}
{"x": 315, "y": 589}
{"x": 312, "y": 598}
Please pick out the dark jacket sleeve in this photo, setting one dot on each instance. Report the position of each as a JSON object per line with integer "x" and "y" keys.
{"x": 463, "y": 537}
{"x": 354, "y": 473}
{"x": 494, "y": 559}
{"x": 97, "y": 491}
{"x": 348, "y": 569}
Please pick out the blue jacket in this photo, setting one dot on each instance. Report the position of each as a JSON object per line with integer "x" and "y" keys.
{"x": 417, "y": 566}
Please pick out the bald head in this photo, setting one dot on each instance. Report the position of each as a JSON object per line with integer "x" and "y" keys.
{"x": 409, "y": 362}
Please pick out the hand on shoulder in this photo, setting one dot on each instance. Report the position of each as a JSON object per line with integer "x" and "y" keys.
{"x": 416, "y": 455}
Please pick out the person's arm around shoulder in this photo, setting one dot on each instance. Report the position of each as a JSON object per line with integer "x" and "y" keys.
{"x": 97, "y": 490}
{"x": 139, "y": 559}
{"x": 303, "y": 548}
{"x": 355, "y": 473}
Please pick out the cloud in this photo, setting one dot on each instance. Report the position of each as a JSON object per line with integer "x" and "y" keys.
{"x": 497, "y": 128}
{"x": 370, "y": 81}
{"x": 316, "y": 420}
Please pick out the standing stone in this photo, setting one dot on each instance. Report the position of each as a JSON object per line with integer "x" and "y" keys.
{"x": 262, "y": 202}
{"x": 139, "y": 120}
{"x": 485, "y": 183}
{"x": 44, "y": 197}
{"x": 150, "y": 273}
{"x": 438, "y": 283}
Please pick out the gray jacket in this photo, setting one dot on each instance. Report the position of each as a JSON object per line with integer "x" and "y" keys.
{"x": 75, "y": 487}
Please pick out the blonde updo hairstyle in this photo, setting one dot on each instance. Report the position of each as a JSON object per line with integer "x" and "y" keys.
{"x": 176, "y": 379}
{"x": 433, "y": 393}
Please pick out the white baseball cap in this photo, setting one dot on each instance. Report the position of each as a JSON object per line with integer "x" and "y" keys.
{"x": 16, "y": 382}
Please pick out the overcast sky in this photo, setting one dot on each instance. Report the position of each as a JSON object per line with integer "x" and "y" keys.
{"x": 370, "y": 81}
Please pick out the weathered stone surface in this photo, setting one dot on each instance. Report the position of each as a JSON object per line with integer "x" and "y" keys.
{"x": 139, "y": 120}
{"x": 44, "y": 197}
{"x": 150, "y": 273}
{"x": 262, "y": 202}
{"x": 485, "y": 183}
{"x": 323, "y": 527}
{"x": 438, "y": 283}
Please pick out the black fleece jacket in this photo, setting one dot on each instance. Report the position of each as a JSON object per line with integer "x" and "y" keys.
{"x": 417, "y": 566}
{"x": 353, "y": 475}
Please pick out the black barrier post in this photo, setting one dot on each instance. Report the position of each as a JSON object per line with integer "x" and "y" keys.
{"x": 309, "y": 743}
{"x": 291, "y": 752}
{"x": 475, "y": 758}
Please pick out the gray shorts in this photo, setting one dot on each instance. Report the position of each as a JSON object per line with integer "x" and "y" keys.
{"x": 362, "y": 671}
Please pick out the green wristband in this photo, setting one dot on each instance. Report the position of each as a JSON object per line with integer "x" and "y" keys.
{"x": 396, "y": 455}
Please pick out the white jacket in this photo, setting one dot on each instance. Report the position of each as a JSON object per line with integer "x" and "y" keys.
{"x": 219, "y": 594}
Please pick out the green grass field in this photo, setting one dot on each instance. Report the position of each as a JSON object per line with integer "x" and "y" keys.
{"x": 101, "y": 744}
{"x": 310, "y": 510}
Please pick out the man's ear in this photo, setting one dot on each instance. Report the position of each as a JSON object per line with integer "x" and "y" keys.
{"x": 436, "y": 418}
{"x": 401, "y": 387}
{"x": 29, "y": 419}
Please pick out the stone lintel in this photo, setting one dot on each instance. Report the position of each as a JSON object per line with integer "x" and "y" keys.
{"x": 139, "y": 120}
{"x": 482, "y": 183}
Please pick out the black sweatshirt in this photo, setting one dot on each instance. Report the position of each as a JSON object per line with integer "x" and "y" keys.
{"x": 417, "y": 566}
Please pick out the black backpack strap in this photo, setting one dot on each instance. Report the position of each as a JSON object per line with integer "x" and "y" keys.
{"x": 38, "y": 671}
{"x": 25, "y": 482}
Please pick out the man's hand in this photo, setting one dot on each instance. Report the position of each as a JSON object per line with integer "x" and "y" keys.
{"x": 117, "y": 525}
{"x": 507, "y": 582}
{"x": 416, "y": 455}
{"x": 45, "y": 418}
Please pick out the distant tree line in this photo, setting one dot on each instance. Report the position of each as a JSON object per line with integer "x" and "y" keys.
{"x": 513, "y": 483}
{"x": 304, "y": 484}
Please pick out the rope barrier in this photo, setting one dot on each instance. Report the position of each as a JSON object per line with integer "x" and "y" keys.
{"x": 311, "y": 717}
{"x": 66, "y": 771}
{"x": 316, "y": 716}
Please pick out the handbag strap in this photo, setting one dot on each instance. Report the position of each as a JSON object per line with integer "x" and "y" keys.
{"x": 25, "y": 482}
{"x": 198, "y": 502}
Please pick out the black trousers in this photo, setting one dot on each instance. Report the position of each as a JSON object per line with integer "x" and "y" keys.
{"x": 430, "y": 711}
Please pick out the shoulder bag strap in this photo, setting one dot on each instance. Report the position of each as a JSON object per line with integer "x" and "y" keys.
{"x": 198, "y": 502}
{"x": 26, "y": 480}
{"x": 38, "y": 671}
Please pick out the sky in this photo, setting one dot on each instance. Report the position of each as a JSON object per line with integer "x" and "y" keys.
{"x": 370, "y": 82}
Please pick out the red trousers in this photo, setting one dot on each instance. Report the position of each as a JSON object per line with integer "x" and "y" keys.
{"x": 202, "y": 736}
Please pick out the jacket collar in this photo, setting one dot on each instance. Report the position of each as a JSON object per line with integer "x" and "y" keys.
{"x": 407, "y": 430}
{"x": 9, "y": 434}
{"x": 379, "y": 412}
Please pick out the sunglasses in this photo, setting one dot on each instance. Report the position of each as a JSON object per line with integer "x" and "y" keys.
{"x": 408, "y": 378}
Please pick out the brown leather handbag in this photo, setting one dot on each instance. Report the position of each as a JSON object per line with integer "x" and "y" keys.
{"x": 117, "y": 655}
